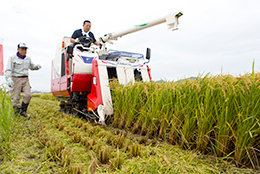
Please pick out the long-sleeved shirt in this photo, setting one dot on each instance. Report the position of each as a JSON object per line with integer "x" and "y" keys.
{"x": 18, "y": 67}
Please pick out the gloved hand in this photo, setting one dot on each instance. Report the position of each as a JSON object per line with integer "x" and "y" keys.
{"x": 76, "y": 40}
{"x": 10, "y": 83}
{"x": 38, "y": 66}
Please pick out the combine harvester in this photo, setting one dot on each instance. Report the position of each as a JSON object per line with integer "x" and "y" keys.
{"x": 81, "y": 74}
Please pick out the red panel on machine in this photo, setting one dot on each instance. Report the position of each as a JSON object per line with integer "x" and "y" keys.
{"x": 55, "y": 88}
{"x": 95, "y": 97}
{"x": 81, "y": 82}
{"x": 63, "y": 87}
{"x": 1, "y": 60}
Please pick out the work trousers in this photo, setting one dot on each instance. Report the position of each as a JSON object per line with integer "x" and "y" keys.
{"x": 21, "y": 85}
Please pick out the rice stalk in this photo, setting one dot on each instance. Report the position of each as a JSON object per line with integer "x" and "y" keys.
{"x": 7, "y": 123}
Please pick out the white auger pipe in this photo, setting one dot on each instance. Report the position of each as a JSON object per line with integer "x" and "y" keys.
{"x": 171, "y": 19}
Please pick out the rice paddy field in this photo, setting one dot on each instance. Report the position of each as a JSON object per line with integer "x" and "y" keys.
{"x": 208, "y": 125}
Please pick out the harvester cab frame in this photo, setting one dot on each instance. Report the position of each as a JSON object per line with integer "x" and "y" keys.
{"x": 81, "y": 72}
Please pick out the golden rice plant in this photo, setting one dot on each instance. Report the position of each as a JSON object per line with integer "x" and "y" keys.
{"x": 224, "y": 112}
{"x": 60, "y": 126}
{"x": 93, "y": 166}
{"x": 44, "y": 140}
{"x": 75, "y": 169}
{"x": 125, "y": 113}
{"x": 7, "y": 123}
{"x": 85, "y": 127}
{"x": 85, "y": 142}
{"x": 66, "y": 157}
{"x": 104, "y": 155}
{"x": 76, "y": 138}
{"x": 127, "y": 146}
{"x": 116, "y": 162}
{"x": 119, "y": 141}
{"x": 54, "y": 151}
{"x": 135, "y": 150}
{"x": 79, "y": 123}
{"x": 217, "y": 115}
{"x": 247, "y": 127}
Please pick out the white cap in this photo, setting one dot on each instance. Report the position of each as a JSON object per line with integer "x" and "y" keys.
{"x": 22, "y": 45}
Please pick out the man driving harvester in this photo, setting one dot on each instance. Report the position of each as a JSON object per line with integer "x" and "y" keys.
{"x": 85, "y": 31}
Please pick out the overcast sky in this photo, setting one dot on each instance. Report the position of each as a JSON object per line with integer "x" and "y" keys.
{"x": 214, "y": 37}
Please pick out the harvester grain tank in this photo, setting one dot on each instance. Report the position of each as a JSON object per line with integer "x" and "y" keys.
{"x": 81, "y": 74}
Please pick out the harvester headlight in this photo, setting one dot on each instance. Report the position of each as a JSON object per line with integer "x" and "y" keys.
{"x": 94, "y": 80}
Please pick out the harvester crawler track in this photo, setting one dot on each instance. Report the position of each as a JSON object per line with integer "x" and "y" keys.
{"x": 74, "y": 108}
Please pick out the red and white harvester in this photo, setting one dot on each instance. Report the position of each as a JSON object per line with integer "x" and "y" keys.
{"x": 81, "y": 74}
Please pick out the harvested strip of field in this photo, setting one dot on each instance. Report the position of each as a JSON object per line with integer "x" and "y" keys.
{"x": 52, "y": 142}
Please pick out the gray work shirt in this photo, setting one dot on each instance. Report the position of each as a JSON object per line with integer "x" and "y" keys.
{"x": 18, "y": 67}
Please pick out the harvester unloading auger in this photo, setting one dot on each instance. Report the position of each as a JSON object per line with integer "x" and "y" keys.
{"x": 81, "y": 74}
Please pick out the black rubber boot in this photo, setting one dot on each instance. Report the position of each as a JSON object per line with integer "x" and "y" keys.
{"x": 24, "y": 110}
{"x": 17, "y": 110}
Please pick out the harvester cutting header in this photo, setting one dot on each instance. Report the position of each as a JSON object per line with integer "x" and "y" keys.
{"x": 81, "y": 72}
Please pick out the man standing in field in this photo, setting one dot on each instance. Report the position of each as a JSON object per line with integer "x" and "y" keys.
{"x": 16, "y": 75}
